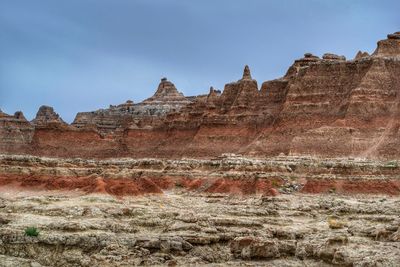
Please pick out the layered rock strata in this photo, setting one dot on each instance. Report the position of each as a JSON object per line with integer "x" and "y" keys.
{"x": 181, "y": 229}
{"x": 227, "y": 175}
{"x": 46, "y": 116}
{"x": 325, "y": 106}
{"x": 16, "y": 133}
{"x": 146, "y": 114}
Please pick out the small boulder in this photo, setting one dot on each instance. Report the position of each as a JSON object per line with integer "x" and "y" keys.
{"x": 310, "y": 55}
{"x": 395, "y": 35}
{"x": 333, "y": 57}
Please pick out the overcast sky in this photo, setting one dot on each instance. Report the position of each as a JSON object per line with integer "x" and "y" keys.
{"x": 82, "y": 55}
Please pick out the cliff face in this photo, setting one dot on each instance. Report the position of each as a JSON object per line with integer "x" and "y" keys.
{"x": 15, "y": 133}
{"x": 325, "y": 106}
{"x": 129, "y": 115}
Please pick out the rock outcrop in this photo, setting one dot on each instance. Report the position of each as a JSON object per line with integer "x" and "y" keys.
{"x": 167, "y": 94}
{"x": 333, "y": 57}
{"x": 16, "y": 133}
{"x": 325, "y": 106}
{"x": 227, "y": 174}
{"x": 361, "y": 55}
{"x": 202, "y": 230}
{"x": 146, "y": 114}
{"x": 46, "y": 116}
{"x": 228, "y": 211}
{"x": 389, "y": 47}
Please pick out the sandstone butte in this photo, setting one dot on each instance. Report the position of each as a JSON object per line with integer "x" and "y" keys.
{"x": 301, "y": 172}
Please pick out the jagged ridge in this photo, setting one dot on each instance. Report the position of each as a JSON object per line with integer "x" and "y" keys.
{"x": 322, "y": 106}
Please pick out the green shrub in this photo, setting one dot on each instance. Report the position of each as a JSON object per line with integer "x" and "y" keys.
{"x": 178, "y": 184}
{"x": 275, "y": 183}
{"x": 31, "y": 231}
{"x": 392, "y": 164}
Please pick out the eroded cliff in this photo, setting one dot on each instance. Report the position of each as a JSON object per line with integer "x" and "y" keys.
{"x": 325, "y": 106}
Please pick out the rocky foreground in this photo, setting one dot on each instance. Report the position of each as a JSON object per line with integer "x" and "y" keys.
{"x": 180, "y": 228}
{"x": 231, "y": 210}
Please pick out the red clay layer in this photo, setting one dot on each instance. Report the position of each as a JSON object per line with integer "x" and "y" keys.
{"x": 138, "y": 186}
{"x": 118, "y": 187}
{"x": 146, "y": 185}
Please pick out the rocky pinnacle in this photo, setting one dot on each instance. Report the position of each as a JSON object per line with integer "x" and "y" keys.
{"x": 246, "y": 73}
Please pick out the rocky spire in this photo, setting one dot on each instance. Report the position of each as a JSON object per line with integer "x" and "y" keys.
{"x": 361, "y": 54}
{"x": 166, "y": 92}
{"x": 166, "y": 88}
{"x": 246, "y": 73}
{"x": 19, "y": 115}
{"x": 46, "y": 115}
{"x": 213, "y": 92}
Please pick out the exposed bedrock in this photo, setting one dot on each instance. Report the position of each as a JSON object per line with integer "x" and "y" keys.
{"x": 192, "y": 230}
{"x": 230, "y": 174}
{"x": 231, "y": 210}
{"x": 325, "y": 106}
{"x": 46, "y": 116}
{"x": 15, "y": 133}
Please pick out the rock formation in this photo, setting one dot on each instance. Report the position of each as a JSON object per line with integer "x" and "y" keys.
{"x": 16, "y": 133}
{"x": 329, "y": 56}
{"x": 361, "y": 55}
{"x": 246, "y": 73}
{"x": 142, "y": 115}
{"x": 316, "y": 182}
{"x": 167, "y": 94}
{"x": 229, "y": 211}
{"x": 389, "y": 47}
{"x": 46, "y": 116}
{"x": 325, "y": 106}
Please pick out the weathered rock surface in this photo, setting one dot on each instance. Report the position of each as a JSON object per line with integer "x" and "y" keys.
{"x": 16, "y": 133}
{"x": 212, "y": 230}
{"x": 333, "y": 57}
{"x": 46, "y": 116}
{"x": 327, "y": 106}
{"x": 145, "y": 115}
{"x": 229, "y": 174}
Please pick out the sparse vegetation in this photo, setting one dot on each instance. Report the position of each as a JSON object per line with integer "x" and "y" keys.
{"x": 392, "y": 164}
{"x": 178, "y": 184}
{"x": 335, "y": 223}
{"x": 275, "y": 183}
{"x": 31, "y": 231}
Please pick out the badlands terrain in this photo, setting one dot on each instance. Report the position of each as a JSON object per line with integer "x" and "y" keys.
{"x": 235, "y": 211}
{"x": 301, "y": 172}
